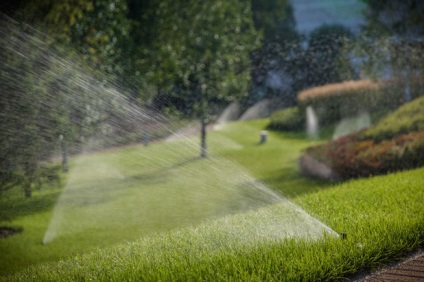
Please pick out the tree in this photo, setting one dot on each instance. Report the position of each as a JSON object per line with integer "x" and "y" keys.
{"x": 392, "y": 41}
{"x": 280, "y": 44}
{"x": 24, "y": 107}
{"x": 201, "y": 53}
{"x": 98, "y": 30}
{"x": 395, "y": 17}
{"x": 326, "y": 56}
{"x": 45, "y": 96}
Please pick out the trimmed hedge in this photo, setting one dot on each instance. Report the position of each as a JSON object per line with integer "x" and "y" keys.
{"x": 333, "y": 102}
{"x": 289, "y": 119}
{"x": 407, "y": 118}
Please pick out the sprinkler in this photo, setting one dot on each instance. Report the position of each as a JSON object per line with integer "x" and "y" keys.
{"x": 264, "y": 134}
{"x": 343, "y": 235}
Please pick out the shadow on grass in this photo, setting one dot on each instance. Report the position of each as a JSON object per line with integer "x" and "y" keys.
{"x": 291, "y": 183}
{"x": 160, "y": 175}
{"x": 11, "y": 208}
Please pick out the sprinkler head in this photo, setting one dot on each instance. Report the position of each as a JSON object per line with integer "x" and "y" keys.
{"x": 343, "y": 235}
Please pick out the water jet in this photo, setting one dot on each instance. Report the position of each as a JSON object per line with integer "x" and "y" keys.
{"x": 312, "y": 125}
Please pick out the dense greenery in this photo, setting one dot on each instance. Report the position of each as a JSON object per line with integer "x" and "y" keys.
{"x": 327, "y": 56}
{"x": 372, "y": 212}
{"x": 50, "y": 93}
{"x": 333, "y": 102}
{"x": 407, "y": 118}
{"x": 396, "y": 142}
{"x": 206, "y": 60}
{"x": 274, "y": 61}
{"x": 391, "y": 41}
{"x": 290, "y": 119}
{"x": 351, "y": 157}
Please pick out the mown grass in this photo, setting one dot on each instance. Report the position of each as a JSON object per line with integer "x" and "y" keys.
{"x": 122, "y": 195}
{"x": 381, "y": 216}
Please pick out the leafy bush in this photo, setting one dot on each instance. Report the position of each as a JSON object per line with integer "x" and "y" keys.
{"x": 407, "y": 118}
{"x": 394, "y": 89}
{"x": 287, "y": 119}
{"x": 351, "y": 157}
{"x": 335, "y": 101}
{"x": 394, "y": 143}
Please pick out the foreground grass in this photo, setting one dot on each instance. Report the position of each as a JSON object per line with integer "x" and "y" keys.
{"x": 382, "y": 217}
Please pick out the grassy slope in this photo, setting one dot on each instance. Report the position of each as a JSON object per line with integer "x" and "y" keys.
{"x": 125, "y": 194}
{"x": 382, "y": 216}
{"x": 407, "y": 118}
{"x": 275, "y": 162}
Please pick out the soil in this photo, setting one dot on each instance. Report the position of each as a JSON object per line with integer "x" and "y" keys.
{"x": 8, "y": 231}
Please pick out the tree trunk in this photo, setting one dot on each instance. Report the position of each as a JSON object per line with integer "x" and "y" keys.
{"x": 27, "y": 190}
{"x": 407, "y": 90}
{"x": 203, "y": 149}
{"x": 64, "y": 155}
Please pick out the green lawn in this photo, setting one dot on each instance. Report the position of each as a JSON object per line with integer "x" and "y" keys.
{"x": 188, "y": 218}
{"x": 121, "y": 195}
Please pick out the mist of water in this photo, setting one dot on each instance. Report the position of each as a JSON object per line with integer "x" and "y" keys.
{"x": 352, "y": 124}
{"x": 312, "y": 126}
{"x": 154, "y": 188}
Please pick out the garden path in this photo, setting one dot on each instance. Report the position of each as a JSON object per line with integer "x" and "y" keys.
{"x": 409, "y": 270}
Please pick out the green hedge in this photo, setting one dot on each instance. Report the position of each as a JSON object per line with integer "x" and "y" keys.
{"x": 333, "y": 102}
{"x": 407, "y": 118}
{"x": 289, "y": 119}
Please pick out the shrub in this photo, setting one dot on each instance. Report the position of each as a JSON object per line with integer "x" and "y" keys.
{"x": 407, "y": 118}
{"x": 287, "y": 119}
{"x": 351, "y": 157}
{"x": 335, "y": 101}
{"x": 394, "y": 90}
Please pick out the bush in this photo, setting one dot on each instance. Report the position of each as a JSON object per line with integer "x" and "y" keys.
{"x": 407, "y": 118}
{"x": 287, "y": 119}
{"x": 394, "y": 90}
{"x": 335, "y": 101}
{"x": 351, "y": 157}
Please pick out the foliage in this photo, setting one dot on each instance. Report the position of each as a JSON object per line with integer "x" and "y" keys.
{"x": 98, "y": 30}
{"x": 395, "y": 17}
{"x": 274, "y": 19}
{"x": 206, "y": 60}
{"x": 350, "y": 157}
{"x": 407, "y": 118}
{"x": 208, "y": 52}
{"x": 48, "y": 100}
{"x": 391, "y": 43}
{"x": 396, "y": 142}
{"x": 274, "y": 59}
{"x": 291, "y": 119}
{"x": 26, "y": 108}
{"x": 335, "y": 101}
{"x": 326, "y": 59}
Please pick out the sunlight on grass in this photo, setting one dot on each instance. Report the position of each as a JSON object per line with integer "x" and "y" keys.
{"x": 123, "y": 194}
{"x": 213, "y": 218}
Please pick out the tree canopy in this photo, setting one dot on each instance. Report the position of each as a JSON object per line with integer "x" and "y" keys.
{"x": 201, "y": 53}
